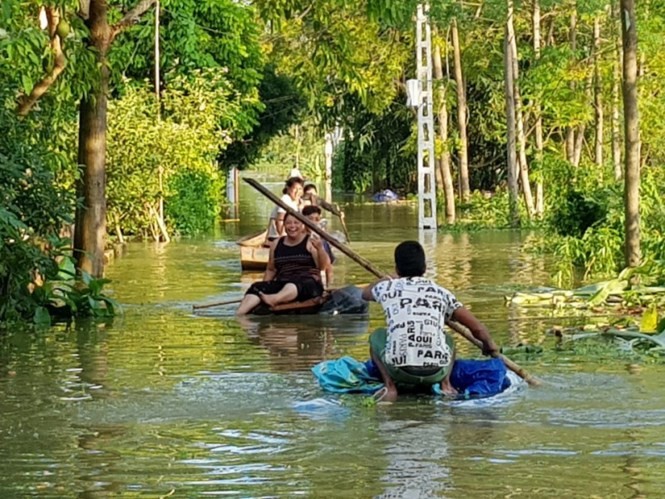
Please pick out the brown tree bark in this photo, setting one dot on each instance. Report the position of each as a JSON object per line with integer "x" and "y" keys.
{"x": 538, "y": 125}
{"x": 461, "y": 115}
{"x": 598, "y": 93}
{"x": 570, "y": 131}
{"x": 444, "y": 157}
{"x": 519, "y": 121}
{"x": 90, "y": 226}
{"x": 511, "y": 156}
{"x": 616, "y": 123}
{"x": 632, "y": 134}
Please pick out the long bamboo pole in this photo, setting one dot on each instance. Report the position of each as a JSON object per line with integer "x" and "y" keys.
{"x": 216, "y": 304}
{"x": 455, "y": 326}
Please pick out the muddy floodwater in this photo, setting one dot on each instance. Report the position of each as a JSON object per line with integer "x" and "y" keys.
{"x": 160, "y": 402}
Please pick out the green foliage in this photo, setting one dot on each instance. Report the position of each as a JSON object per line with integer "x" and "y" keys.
{"x": 284, "y": 105}
{"x": 221, "y": 35}
{"x": 65, "y": 297}
{"x": 194, "y": 200}
{"x": 302, "y": 145}
{"x": 33, "y": 206}
{"x": 183, "y": 146}
{"x": 591, "y": 229}
{"x": 337, "y": 53}
{"x": 577, "y": 212}
{"x": 377, "y": 151}
{"x": 483, "y": 210}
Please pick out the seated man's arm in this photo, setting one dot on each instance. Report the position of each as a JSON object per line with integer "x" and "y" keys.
{"x": 367, "y": 290}
{"x": 477, "y": 328}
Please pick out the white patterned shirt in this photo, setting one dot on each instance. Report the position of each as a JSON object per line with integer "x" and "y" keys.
{"x": 416, "y": 310}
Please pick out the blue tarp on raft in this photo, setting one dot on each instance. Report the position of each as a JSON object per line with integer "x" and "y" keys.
{"x": 471, "y": 378}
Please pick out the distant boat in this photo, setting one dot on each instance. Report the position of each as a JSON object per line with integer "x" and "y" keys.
{"x": 254, "y": 252}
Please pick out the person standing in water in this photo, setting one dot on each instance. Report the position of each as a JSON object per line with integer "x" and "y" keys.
{"x": 415, "y": 350}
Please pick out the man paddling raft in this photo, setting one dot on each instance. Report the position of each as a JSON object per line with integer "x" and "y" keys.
{"x": 415, "y": 351}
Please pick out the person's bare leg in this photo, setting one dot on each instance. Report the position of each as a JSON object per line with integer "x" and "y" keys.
{"x": 286, "y": 294}
{"x": 446, "y": 387}
{"x": 390, "y": 394}
{"x": 248, "y": 303}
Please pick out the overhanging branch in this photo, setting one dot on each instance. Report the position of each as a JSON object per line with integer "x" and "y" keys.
{"x": 131, "y": 17}
{"x": 27, "y": 102}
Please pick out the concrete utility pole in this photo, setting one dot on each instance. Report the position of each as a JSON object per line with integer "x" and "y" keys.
{"x": 423, "y": 104}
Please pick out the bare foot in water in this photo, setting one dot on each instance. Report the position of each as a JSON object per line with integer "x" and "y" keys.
{"x": 268, "y": 299}
{"x": 448, "y": 389}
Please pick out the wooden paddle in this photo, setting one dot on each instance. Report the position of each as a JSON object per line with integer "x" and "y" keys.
{"x": 335, "y": 210}
{"x": 520, "y": 371}
{"x": 217, "y": 304}
{"x": 458, "y": 328}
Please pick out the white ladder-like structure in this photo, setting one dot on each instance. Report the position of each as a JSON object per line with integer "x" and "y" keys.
{"x": 426, "y": 159}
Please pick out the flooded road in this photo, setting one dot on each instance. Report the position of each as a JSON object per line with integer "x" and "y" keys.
{"x": 161, "y": 402}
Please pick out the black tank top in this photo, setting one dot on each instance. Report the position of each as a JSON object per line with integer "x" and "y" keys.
{"x": 294, "y": 262}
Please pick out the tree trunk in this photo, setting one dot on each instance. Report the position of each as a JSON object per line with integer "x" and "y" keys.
{"x": 616, "y": 124}
{"x": 538, "y": 127}
{"x": 521, "y": 139}
{"x": 444, "y": 157}
{"x": 598, "y": 93}
{"x": 511, "y": 157}
{"x": 581, "y": 129}
{"x": 570, "y": 131}
{"x": 579, "y": 145}
{"x": 90, "y": 230}
{"x": 632, "y": 133}
{"x": 461, "y": 115}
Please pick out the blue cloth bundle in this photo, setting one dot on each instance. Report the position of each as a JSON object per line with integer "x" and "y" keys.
{"x": 471, "y": 378}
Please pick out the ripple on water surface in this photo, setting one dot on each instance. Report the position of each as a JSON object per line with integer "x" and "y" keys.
{"x": 162, "y": 401}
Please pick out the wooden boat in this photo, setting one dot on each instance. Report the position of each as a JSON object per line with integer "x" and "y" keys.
{"x": 254, "y": 253}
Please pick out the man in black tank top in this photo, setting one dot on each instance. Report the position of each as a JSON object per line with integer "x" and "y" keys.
{"x": 293, "y": 272}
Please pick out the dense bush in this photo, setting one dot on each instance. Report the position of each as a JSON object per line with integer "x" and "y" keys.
{"x": 182, "y": 147}
{"x": 193, "y": 199}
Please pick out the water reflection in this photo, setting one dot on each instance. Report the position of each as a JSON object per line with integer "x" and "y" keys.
{"x": 161, "y": 402}
{"x": 298, "y": 342}
{"x": 415, "y": 445}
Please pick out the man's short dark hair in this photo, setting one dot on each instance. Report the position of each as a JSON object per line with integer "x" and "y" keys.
{"x": 310, "y": 187}
{"x": 410, "y": 259}
{"x": 308, "y": 210}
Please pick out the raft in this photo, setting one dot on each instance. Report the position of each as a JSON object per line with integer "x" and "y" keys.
{"x": 254, "y": 253}
{"x": 344, "y": 301}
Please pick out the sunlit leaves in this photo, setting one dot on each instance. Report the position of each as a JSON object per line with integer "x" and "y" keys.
{"x": 199, "y": 115}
